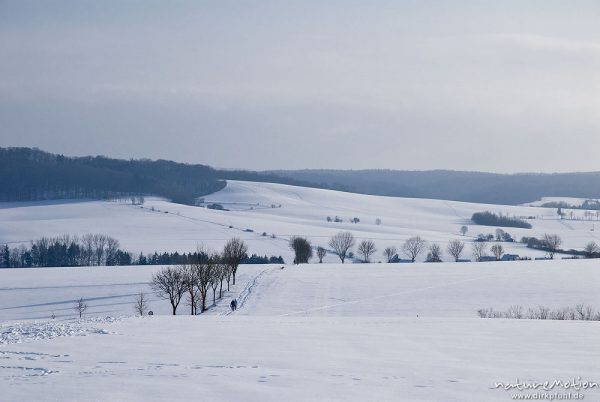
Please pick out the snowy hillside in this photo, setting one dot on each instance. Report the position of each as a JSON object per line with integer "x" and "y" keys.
{"x": 326, "y": 332}
{"x": 278, "y": 210}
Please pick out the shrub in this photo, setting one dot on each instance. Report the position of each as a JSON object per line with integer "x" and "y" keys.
{"x": 579, "y": 312}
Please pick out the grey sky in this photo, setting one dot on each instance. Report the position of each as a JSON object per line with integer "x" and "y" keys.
{"x": 494, "y": 86}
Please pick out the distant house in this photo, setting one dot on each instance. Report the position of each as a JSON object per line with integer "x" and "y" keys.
{"x": 510, "y": 257}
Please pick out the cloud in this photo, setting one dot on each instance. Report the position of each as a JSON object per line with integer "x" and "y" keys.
{"x": 277, "y": 85}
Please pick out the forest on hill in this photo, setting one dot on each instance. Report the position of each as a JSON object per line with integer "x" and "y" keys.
{"x": 30, "y": 174}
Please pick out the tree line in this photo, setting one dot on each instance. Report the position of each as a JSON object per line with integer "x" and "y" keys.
{"x": 99, "y": 250}
{"x": 482, "y": 248}
{"x": 29, "y": 174}
{"x": 342, "y": 243}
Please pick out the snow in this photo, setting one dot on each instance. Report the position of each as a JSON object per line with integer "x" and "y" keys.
{"x": 303, "y": 211}
{"x": 324, "y": 332}
{"x": 30, "y": 331}
{"x": 311, "y": 332}
{"x": 39, "y": 293}
{"x": 298, "y": 359}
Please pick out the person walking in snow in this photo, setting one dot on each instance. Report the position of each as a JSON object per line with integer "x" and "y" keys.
{"x": 233, "y": 305}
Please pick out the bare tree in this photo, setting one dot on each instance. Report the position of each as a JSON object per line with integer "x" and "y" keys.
{"x": 302, "y": 249}
{"x": 233, "y": 253}
{"x": 552, "y": 242}
{"x": 434, "y": 254}
{"x": 224, "y": 269}
{"x": 87, "y": 241}
{"x": 591, "y": 249}
{"x": 341, "y": 243}
{"x": 215, "y": 278}
{"x": 479, "y": 249}
{"x": 367, "y": 248}
{"x": 321, "y": 253}
{"x": 99, "y": 248}
{"x": 190, "y": 279}
{"x": 497, "y": 250}
{"x": 499, "y": 234}
{"x": 169, "y": 283}
{"x": 464, "y": 230}
{"x": 141, "y": 304}
{"x": 205, "y": 272}
{"x": 389, "y": 253}
{"x": 413, "y": 247}
{"x": 228, "y": 273}
{"x": 112, "y": 246}
{"x": 80, "y": 306}
{"x": 455, "y": 249}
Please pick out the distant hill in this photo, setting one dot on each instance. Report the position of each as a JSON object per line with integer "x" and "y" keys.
{"x": 478, "y": 187}
{"x": 29, "y": 174}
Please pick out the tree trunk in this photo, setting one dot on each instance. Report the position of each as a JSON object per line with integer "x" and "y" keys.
{"x": 214, "y": 296}
{"x": 174, "y": 309}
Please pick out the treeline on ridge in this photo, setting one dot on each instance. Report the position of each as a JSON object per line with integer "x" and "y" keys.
{"x": 29, "y": 174}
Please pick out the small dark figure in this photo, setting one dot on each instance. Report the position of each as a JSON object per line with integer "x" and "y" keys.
{"x": 233, "y": 305}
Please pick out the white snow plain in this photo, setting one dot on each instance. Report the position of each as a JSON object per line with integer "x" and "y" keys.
{"x": 324, "y": 332}
{"x": 327, "y": 332}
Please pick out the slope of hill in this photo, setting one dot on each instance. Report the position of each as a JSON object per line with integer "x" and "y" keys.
{"x": 279, "y": 211}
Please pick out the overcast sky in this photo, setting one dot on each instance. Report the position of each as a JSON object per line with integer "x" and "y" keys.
{"x": 493, "y": 86}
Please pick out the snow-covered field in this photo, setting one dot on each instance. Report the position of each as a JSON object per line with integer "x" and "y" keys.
{"x": 313, "y": 332}
{"x": 326, "y": 332}
{"x": 282, "y": 211}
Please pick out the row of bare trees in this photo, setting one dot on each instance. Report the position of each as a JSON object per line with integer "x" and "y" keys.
{"x": 195, "y": 281}
{"x": 342, "y": 243}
